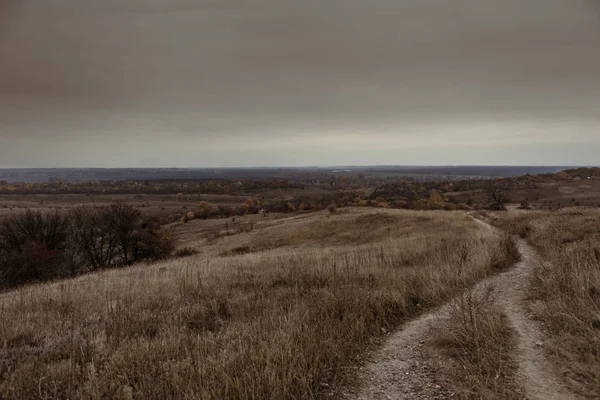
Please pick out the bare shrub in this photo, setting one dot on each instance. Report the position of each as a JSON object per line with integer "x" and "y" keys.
{"x": 506, "y": 254}
{"x": 476, "y": 343}
{"x": 332, "y": 208}
{"x": 525, "y": 204}
{"x": 205, "y": 210}
{"x": 185, "y": 252}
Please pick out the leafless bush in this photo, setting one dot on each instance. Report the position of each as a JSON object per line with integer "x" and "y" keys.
{"x": 506, "y": 254}
{"x": 525, "y": 204}
{"x": 185, "y": 252}
{"x": 477, "y": 342}
{"x": 332, "y": 208}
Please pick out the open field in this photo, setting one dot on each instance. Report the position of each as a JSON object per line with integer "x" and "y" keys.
{"x": 167, "y": 207}
{"x": 152, "y": 204}
{"x": 565, "y": 291}
{"x": 288, "y": 309}
{"x": 161, "y": 205}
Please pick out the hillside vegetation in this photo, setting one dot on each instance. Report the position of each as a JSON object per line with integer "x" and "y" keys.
{"x": 38, "y": 246}
{"x": 286, "y": 309}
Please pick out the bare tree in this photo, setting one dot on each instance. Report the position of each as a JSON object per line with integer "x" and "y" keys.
{"x": 31, "y": 245}
{"x": 36, "y": 246}
{"x": 33, "y": 226}
{"x": 496, "y": 199}
{"x": 123, "y": 220}
{"x": 92, "y": 237}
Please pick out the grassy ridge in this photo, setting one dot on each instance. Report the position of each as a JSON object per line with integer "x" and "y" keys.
{"x": 287, "y": 322}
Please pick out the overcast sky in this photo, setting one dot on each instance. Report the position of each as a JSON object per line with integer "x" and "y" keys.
{"x": 118, "y": 83}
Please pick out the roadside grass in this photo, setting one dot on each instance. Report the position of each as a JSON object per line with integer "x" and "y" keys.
{"x": 285, "y": 322}
{"x": 565, "y": 293}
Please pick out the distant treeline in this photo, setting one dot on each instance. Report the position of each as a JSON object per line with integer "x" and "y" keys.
{"x": 329, "y": 182}
{"x": 37, "y": 246}
{"x": 401, "y": 194}
{"x": 324, "y": 181}
{"x": 217, "y": 186}
{"x": 415, "y": 197}
{"x": 294, "y": 174}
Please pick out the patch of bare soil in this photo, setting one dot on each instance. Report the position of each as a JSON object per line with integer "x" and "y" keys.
{"x": 403, "y": 369}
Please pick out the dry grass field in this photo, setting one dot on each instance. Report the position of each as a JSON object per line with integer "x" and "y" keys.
{"x": 287, "y": 309}
{"x": 166, "y": 205}
{"x": 156, "y": 204}
{"x": 151, "y": 204}
{"x": 565, "y": 294}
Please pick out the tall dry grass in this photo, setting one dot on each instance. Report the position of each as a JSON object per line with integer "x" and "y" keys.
{"x": 476, "y": 344}
{"x": 565, "y": 293}
{"x": 288, "y": 322}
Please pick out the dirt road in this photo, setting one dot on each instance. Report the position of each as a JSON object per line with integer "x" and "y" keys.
{"x": 402, "y": 370}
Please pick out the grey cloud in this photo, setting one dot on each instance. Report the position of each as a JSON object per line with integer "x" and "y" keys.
{"x": 205, "y": 69}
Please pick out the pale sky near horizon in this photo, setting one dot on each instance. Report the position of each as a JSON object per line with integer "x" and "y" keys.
{"x": 195, "y": 83}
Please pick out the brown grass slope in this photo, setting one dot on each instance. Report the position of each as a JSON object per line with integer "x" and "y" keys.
{"x": 288, "y": 321}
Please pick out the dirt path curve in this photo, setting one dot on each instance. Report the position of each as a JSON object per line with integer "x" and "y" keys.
{"x": 401, "y": 370}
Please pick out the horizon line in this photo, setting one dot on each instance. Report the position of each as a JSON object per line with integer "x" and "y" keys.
{"x": 323, "y": 166}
